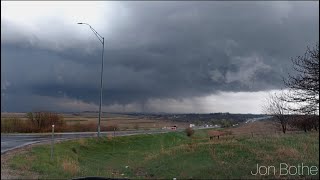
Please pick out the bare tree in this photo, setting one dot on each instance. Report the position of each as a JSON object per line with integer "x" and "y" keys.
{"x": 44, "y": 120}
{"x": 279, "y": 109}
{"x": 304, "y": 85}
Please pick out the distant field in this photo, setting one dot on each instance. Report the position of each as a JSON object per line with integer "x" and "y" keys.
{"x": 171, "y": 155}
{"x": 90, "y": 120}
{"x": 125, "y": 122}
{"x": 6, "y": 115}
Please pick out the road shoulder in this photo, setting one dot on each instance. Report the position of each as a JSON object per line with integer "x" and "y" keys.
{"x": 8, "y": 173}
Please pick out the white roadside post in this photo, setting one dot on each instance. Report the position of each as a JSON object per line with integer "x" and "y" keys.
{"x": 52, "y": 141}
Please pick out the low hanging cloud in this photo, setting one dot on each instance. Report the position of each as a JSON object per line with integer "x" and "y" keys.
{"x": 155, "y": 51}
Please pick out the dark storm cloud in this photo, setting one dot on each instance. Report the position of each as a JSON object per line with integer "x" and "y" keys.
{"x": 162, "y": 50}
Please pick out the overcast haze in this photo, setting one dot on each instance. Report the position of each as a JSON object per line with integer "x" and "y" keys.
{"x": 159, "y": 56}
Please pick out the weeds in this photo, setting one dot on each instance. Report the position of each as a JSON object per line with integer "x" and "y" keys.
{"x": 15, "y": 125}
{"x": 70, "y": 166}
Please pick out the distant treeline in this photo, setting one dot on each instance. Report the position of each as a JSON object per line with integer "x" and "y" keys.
{"x": 36, "y": 122}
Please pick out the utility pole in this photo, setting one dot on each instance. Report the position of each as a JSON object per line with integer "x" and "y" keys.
{"x": 101, "y": 39}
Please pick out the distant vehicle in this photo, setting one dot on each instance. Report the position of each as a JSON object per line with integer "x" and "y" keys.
{"x": 170, "y": 127}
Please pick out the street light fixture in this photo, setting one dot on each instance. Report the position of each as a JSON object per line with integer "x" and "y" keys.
{"x": 101, "y": 39}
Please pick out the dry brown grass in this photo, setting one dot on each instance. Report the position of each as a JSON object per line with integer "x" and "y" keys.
{"x": 25, "y": 166}
{"x": 70, "y": 166}
{"x": 261, "y": 129}
{"x": 125, "y": 122}
{"x": 82, "y": 142}
{"x": 15, "y": 124}
{"x": 258, "y": 127}
{"x": 189, "y": 147}
{"x": 150, "y": 156}
{"x": 109, "y": 137}
{"x": 287, "y": 152}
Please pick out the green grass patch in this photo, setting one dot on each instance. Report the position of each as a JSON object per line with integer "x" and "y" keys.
{"x": 170, "y": 155}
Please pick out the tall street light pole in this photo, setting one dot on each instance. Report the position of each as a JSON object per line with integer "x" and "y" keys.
{"x": 101, "y": 39}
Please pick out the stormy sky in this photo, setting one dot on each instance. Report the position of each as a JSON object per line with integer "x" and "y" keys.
{"x": 177, "y": 57}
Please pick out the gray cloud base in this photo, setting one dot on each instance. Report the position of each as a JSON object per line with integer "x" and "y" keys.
{"x": 160, "y": 50}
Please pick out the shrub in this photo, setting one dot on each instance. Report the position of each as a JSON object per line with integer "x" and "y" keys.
{"x": 304, "y": 122}
{"x": 110, "y": 128}
{"x": 42, "y": 121}
{"x": 189, "y": 131}
{"x": 226, "y": 123}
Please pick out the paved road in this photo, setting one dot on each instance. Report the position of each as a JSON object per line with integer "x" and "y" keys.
{"x": 13, "y": 141}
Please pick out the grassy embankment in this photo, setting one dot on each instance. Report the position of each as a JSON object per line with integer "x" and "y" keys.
{"x": 170, "y": 155}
